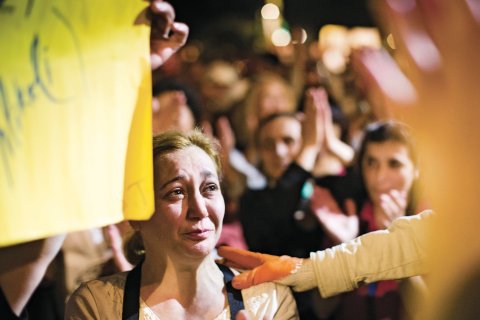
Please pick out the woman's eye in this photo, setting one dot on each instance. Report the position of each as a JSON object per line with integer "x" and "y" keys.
{"x": 395, "y": 164}
{"x": 175, "y": 194}
{"x": 369, "y": 163}
{"x": 212, "y": 187}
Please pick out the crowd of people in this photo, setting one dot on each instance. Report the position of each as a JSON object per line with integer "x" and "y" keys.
{"x": 264, "y": 160}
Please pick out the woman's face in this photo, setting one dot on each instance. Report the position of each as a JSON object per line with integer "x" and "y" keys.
{"x": 189, "y": 205}
{"x": 279, "y": 143}
{"x": 387, "y": 166}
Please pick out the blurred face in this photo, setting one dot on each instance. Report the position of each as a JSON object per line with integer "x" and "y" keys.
{"x": 387, "y": 166}
{"x": 280, "y": 142}
{"x": 170, "y": 111}
{"x": 274, "y": 97}
{"x": 189, "y": 206}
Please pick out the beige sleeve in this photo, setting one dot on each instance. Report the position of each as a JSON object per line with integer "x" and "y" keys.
{"x": 395, "y": 253}
{"x": 82, "y": 305}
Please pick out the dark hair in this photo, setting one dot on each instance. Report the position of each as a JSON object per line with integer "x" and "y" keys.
{"x": 264, "y": 121}
{"x": 193, "y": 103}
{"x": 390, "y": 130}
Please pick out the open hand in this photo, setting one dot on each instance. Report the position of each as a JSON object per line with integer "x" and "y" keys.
{"x": 340, "y": 227}
{"x": 264, "y": 267}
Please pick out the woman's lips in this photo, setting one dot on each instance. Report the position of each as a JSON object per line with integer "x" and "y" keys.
{"x": 198, "y": 235}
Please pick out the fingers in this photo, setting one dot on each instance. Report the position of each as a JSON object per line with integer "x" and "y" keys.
{"x": 312, "y": 127}
{"x": 264, "y": 267}
{"x": 244, "y": 280}
{"x": 378, "y": 70}
{"x": 270, "y": 271}
{"x": 243, "y": 259}
{"x": 350, "y": 207}
{"x": 393, "y": 204}
{"x": 400, "y": 198}
{"x": 456, "y": 17}
{"x": 179, "y": 33}
{"x": 162, "y": 18}
{"x": 412, "y": 39}
{"x": 232, "y": 264}
{"x": 310, "y": 108}
{"x": 166, "y": 36}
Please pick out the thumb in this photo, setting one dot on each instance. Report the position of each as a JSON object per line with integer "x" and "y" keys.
{"x": 350, "y": 207}
{"x": 245, "y": 279}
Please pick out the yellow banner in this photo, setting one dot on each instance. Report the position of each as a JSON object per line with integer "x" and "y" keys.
{"x": 75, "y": 116}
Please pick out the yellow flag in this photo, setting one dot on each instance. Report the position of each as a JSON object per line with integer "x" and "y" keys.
{"x": 75, "y": 116}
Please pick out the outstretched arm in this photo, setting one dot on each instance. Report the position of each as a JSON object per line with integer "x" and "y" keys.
{"x": 395, "y": 253}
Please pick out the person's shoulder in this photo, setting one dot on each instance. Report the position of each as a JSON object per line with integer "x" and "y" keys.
{"x": 116, "y": 280}
{"x": 112, "y": 285}
{"x": 98, "y": 297}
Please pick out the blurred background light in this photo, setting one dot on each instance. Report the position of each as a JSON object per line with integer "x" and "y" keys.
{"x": 281, "y": 37}
{"x": 270, "y": 12}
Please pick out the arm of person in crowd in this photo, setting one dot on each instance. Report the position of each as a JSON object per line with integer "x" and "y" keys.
{"x": 114, "y": 236}
{"x": 396, "y": 253}
{"x": 22, "y": 268}
{"x": 337, "y": 147}
{"x": 339, "y": 226}
{"x": 166, "y": 36}
{"x": 312, "y": 133}
{"x": 300, "y": 53}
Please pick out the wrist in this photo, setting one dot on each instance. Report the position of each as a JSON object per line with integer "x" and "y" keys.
{"x": 302, "y": 279}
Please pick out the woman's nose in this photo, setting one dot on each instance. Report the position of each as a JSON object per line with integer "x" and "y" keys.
{"x": 382, "y": 174}
{"x": 197, "y": 208}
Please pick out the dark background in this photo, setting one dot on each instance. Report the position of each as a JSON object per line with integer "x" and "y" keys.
{"x": 202, "y": 15}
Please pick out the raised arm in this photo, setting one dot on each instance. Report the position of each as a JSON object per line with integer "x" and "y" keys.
{"x": 167, "y": 36}
{"x": 337, "y": 147}
{"x": 22, "y": 268}
{"x": 312, "y": 133}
